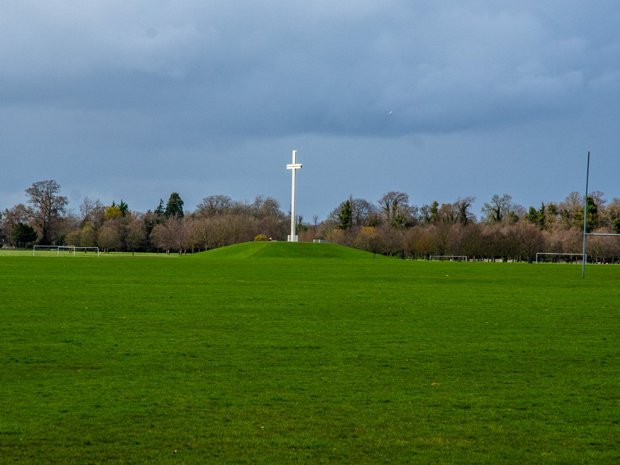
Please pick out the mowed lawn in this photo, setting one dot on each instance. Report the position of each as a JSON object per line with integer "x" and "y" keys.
{"x": 254, "y": 355}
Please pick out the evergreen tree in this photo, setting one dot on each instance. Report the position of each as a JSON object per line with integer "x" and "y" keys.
{"x": 542, "y": 216}
{"x": 23, "y": 234}
{"x": 159, "y": 211}
{"x": 434, "y": 212}
{"x": 123, "y": 207}
{"x": 345, "y": 215}
{"x": 174, "y": 207}
{"x": 592, "y": 214}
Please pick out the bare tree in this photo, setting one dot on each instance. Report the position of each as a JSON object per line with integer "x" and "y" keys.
{"x": 214, "y": 205}
{"x": 266, "y": 207}
{"x": 395, "y": 208}
{"x": 363, "y": 213}
{"x": 171, "y": 235}
{"x": 19, "y": 214}
{"x": 498, "y": 209}
{"x": 447, "y": 214}
{"x": 231, "y": 229}
{"x": 88, "y": 235}
{"x": 136, "y": 234}
{"x": 271, "y": 221}
{"x": 471, "y": 240}
{"x": 367, "y": 238}
{"x": 612, "y": 214}
{"x": 92, "y": 211}
{"x": 462, "y": 206}
{"x": 392, "y": 241}
{"x": 421, "y": 241}
{"x": 198, "y": 234}
{"x": 429, "y": 213}
{"x": 109, "y": 236}
{"x": 530, "y": 240}
{"x": 571, "y": 209}
{"x": 48, "y": 207}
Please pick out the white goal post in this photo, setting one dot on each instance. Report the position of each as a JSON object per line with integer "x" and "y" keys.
{"x": 450, "y": 258}
{"x": 71, "y": 249}
{"x": 87, "y": 249}
{"x": 555, "y": 255}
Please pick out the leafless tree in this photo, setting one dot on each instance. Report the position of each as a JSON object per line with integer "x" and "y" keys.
{"x": 88, "y": 235}
{"x": 501, "y": 210}
{"x": 447, "y": 214}
{"x": 48, "y": 206}
{"x": 395, "y": 208}
{"x": 92, "y": 211}
{"x": 109, "y": 236}
{"x": 421, "y": 241}
{"x": 170, "y": 235}
{"x": 135, "y": 234}
{"x": 471, "y": 240}
{"x": 368, "y": 238}
{"x": 231, "y": 229}
{"x": 11, "y": 217}
{"x": 214, "y": 205}
{"x": 462, "y": 206}
{"x": 612, "y": 215}
{"x": 530, "y": 239}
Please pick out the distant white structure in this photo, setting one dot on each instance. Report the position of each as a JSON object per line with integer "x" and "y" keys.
{"x": 294, "y": 166}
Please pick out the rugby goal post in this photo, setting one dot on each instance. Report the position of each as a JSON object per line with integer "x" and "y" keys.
{"x": 449, "y": 258}
{"x": 585, "y": 224}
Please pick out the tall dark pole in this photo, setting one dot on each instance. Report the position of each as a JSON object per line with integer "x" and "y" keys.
{"x": 585, "y": 222}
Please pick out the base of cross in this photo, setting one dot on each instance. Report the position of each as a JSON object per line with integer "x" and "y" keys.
{"x": 294, "y": 238}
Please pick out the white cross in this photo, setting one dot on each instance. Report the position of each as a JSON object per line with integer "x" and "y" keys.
{"x": 293, "y": 167}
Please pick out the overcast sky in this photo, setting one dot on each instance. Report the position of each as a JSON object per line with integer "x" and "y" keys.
{"x": 132, "y": 100}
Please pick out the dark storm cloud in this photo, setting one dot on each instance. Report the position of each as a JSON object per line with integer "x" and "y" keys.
{"x": 103, "y": 84}
{"x": 268, "y": 68}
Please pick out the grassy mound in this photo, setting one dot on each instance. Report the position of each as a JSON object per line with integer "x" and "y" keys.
{"x": 286, "y": 250}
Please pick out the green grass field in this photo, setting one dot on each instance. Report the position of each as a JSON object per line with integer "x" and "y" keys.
{"x": 301, "y": 353}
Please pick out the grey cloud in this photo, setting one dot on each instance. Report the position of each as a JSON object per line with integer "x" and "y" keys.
{"x": 112, "y": 95}
{"x": 266, "y": 68}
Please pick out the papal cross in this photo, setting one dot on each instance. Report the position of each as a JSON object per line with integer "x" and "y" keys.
{"x": 294, "y": 166}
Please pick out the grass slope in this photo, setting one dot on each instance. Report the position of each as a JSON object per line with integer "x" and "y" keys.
{"x": 183, "y": 361}
{"x": 286, "y": 250}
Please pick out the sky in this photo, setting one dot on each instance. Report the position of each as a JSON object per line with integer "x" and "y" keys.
{"x": 135, "y": 99}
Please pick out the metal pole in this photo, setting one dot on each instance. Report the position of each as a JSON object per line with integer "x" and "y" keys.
{"x": 585, "y": 222}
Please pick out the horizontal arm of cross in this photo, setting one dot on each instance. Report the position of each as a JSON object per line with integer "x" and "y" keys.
{"x": 294, "y": 166}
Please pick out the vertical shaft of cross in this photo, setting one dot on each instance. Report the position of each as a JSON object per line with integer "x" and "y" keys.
{"x": 294, "y": 166}
{"x": 293, "y": 222}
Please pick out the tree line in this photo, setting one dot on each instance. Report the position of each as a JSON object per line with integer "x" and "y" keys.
{"x": 390, "y": 226}
{"x": 505, "y": 231}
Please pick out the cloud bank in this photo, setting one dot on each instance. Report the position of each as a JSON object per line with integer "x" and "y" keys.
{"x": 265, "y": 68}
{"x": 134, "y": 81}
